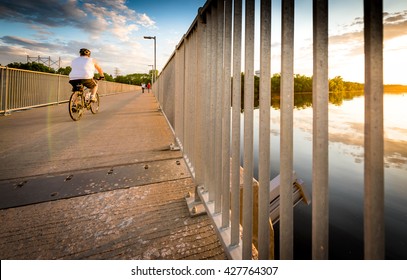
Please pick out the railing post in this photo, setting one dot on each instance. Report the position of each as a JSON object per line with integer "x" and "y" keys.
{"x": 286, "y": 130}
{"x": 248, "y": 132}
{"x": 320, "y": 207}
{"x": 179, "y": 108}
{"x": 218, "y": 109}
{"x": 236, "y": 112}
{"x": 374, "y": 174}
{"x": 212, "y": 110}
{"x": 201, "y": 101}
{"x": 226, "y": 115}
{"x": 188, "y": 95}
{"x": 59, "y": 88}
{"x": 264, "y": 131}
{"x": 208, "y": 102}
{"x": 7, "y": 93}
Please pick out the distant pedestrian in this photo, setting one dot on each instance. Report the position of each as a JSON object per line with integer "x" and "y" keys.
{"x": 143, "y": 86}
{"x": 148, "y": 87}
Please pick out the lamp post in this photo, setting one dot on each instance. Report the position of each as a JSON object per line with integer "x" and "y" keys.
{"x": 155, "y": 69}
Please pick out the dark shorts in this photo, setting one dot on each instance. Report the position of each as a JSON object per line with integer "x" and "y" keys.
{"x": 89, "y": 83}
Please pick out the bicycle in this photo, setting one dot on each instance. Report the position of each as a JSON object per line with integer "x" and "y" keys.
{"x": 80, "y": 100}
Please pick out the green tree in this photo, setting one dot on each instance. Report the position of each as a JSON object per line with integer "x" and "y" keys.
{"x": 108, "y": 77}
{"x": 64, "y": 71}
{"x": 275, "y": 83}
{"x": 32, "y": 66}
{"x": 351, "y": 86}
{"x": 302, "y": 83}
{"x": 336, "y": 84}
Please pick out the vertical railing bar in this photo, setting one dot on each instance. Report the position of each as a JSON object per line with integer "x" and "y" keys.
{"x": 208, "y": 94}
{"x": 185, "y": 99}
{"x": 197, "y": 106}
{"x": 190, "y": 94}
{"x": 59, "y": 89}
{"x": 14, "y": 90}
{"x": 264, "y": 130}
{"x": 186, "y": 96}
{"x": 236, "y": 113}
{"x": 6, "y": 92}
{"x": 182, "y": 93}
{"x": 206, "y": 99}
{"x": 286, "y": 130}
{"x": 218, "y": 121}
{"x": 227, "y": 57}
{"x": 213, "y": 104}
{"x": 201, "y": 100}
{"x": 6, "y": 96}
{"x": 177, "y": 110}
{"x": 193, "y": 96}
{"x": 248, "y": 132}
{"x": 320, "y": 209}
{"x": 374, "y": 228}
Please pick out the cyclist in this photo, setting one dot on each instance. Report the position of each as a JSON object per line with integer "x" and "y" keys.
{"x": 83, "y": 69}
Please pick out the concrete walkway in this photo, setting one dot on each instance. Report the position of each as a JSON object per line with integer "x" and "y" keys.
{"x": 105, "y": 187}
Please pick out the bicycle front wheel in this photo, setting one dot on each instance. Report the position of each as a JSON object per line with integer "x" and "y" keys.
{"x": 94, "y": 105}
{"x": 76, "y": 106}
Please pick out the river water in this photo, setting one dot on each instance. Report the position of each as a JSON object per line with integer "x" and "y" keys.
{"x": 346, "y": 165}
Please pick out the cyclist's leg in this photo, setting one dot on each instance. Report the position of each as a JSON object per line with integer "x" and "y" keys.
{"x": 74, "y": 84}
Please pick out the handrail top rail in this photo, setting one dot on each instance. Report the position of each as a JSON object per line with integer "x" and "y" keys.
{"x": 31, "y": 71}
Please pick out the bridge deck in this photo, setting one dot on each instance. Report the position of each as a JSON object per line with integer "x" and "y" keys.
{"x": 106, "y": 187}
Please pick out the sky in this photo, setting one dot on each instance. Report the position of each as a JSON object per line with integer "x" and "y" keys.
{"x": 114, "y": 29}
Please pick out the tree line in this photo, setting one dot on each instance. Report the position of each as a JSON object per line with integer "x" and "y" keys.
{"x": 303, "y": 84}
{"x": 338, "y": 90}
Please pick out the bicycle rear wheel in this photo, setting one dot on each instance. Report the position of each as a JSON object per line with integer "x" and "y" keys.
{"x": 75, "y": 106}
{"x": 94, "y": 105}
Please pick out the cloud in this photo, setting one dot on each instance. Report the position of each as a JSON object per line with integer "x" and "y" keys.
{"x": 145, "y": 21}
{"x": 395, "y": 17}
{"x": 26, "y": 43}
{"x": 351, "y": 43}
{"x": 47, "y": 12}
{"x": 395, "y": 25}
{"x": 93, "y": 17}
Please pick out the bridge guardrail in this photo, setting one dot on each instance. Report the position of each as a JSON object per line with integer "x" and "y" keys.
{"x": 195, "y": 94}
{"x": 22, "y": 89}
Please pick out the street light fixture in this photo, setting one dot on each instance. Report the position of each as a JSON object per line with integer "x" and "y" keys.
{"x": 155, "y": 69}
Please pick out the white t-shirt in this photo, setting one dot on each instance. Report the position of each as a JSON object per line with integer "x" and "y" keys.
{"x": 83, "y": 67}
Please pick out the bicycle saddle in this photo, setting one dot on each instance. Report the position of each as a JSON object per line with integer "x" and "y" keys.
{"x": 78, "y": 87}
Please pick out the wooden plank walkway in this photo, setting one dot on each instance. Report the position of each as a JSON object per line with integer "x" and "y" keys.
{"x": 144, "y": 218}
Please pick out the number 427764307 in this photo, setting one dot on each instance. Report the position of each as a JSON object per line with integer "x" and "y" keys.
{"x": 245, "y": 270}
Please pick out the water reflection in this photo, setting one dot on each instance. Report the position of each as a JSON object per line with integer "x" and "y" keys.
{"x": 304, "y": 100}
{"x": 346, "y": 164}
{"x": 346, "y": 126}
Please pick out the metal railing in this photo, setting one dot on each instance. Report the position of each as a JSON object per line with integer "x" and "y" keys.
{"x": 22, "y": 89}
{"x": 195, "y": 92}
